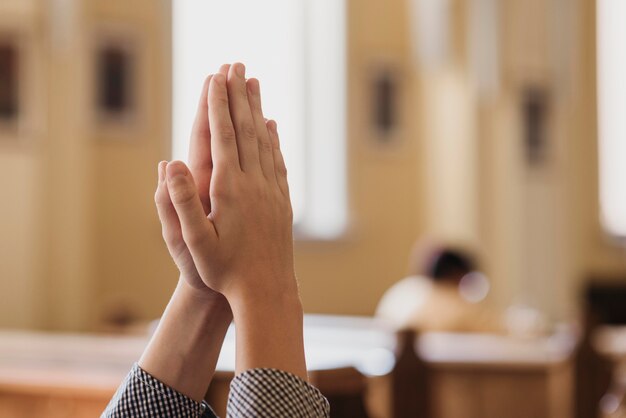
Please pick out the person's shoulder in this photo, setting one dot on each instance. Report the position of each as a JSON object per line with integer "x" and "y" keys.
{"x": 412, "y": 284}
{"x": 401, "y": 299}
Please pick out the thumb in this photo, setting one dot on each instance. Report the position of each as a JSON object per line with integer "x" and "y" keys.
{"x": 196, "y": 227}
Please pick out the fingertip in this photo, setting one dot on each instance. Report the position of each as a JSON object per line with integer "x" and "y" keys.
{"x": 176, "y": 169}
{"x": 273, "y": 130}
{"x": 272, "y": 126}
{"x": 230, "y": 74}
{"x": 204, "y": 96}
{"x": 161, "y": 170}
{"x": 219, "y": 80}
{"x": 239, "y": 69}
{"x": 224, "y": 69}
{"x": 254, "y": 87}
{"x": 207, "y": 82}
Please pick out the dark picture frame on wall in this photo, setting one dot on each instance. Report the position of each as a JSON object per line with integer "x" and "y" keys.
{"x": 535, "y": 113}
{"x": 115, "y": 80}
{"x": 11, "y": 103}
{"x": 385, "y": 104}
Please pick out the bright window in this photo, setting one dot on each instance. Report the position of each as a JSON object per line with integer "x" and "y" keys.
{"x": 611, "y": 23}
{"x": 297, "y": 50}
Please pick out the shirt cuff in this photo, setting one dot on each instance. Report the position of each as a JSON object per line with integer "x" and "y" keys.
{"x": 272, "y": 392}
{"x": 143, "y": 395}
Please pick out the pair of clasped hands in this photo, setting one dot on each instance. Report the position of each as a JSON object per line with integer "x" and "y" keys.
{"x": 227, "y": 222}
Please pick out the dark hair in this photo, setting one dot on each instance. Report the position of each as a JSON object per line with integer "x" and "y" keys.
{"x": 449, "y": 265}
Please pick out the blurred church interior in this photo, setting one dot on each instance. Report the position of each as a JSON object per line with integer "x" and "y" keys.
{"x": 486, "y": 131}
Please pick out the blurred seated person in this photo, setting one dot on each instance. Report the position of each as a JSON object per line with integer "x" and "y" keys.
{"x": 443, "y": 292}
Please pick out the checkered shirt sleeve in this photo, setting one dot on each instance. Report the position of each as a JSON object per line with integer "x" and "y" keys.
{"x": 274, "y": 393}
{"x": 141, "y": 395}
{"x": 254, "y": 393}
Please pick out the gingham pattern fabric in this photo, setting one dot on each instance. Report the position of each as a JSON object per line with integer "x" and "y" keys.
{"x": 254, "y": 393}
{"x": 274, "y": 393}
{"x": 141, "y": 395}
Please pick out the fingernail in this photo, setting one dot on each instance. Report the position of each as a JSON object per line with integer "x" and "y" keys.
{"x": 241, "y": 70}
{"x": 220, "y": 80}
{"x": 176, "y": 169}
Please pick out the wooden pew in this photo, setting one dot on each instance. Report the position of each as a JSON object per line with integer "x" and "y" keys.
{"x": 410, "y": 380}
{"x": 433, "y": 376}
{"x": 65, "y": 375}
{"x": 608, "y": 343}
{"x": 446, "y": 375}
{"x": 489, "y": 376}
{"x": 61, "y": 375}
{"x": 344, "y": 388}
{"x": 604, "y": 304}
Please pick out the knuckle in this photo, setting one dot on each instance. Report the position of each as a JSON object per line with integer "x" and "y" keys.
{"x": 221, "y": 99}
{"x": 228, "y": 135}
{"x": 220, "y": 191}
{"x": 248, "y": 131}
{"x": 182, "y": 194}
{"x": 243, "y": 91}
{"x": 282, "y": 170}
{"x": 265, "y": 146}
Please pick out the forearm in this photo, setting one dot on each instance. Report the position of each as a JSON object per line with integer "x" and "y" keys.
{"x": 269, "y": 331}
{"x": 184, "y": 349}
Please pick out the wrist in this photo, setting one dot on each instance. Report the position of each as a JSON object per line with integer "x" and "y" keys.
{"x": 269, "y": 328}
{"x": 263, "y": 291}
{"x": 184, "y": 349}
{"x": 254, "y": 305}
{"x": 202, "y": 299}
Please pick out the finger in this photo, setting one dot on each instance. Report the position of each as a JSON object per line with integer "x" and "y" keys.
{"x": 242, "y": 119}
{"x": 279, "y": 162}
{"x": 224, "y": 70}
{"x": 200, "y": 162}
{"x": 197, "y": 230}
{"x": 200, "y": 158}
{"x": 170, "y": 225}
{"x": 266, "y": 156}
{"x": 223, "y": 139}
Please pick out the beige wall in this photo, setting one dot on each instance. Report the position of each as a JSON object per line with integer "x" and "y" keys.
{"x": 20, "y": 176}
{"x": 541, "y": 225}
{"x": 536, "y": 229}
{"x": 350, "y": 275}
{"x": 79, "y": 237}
